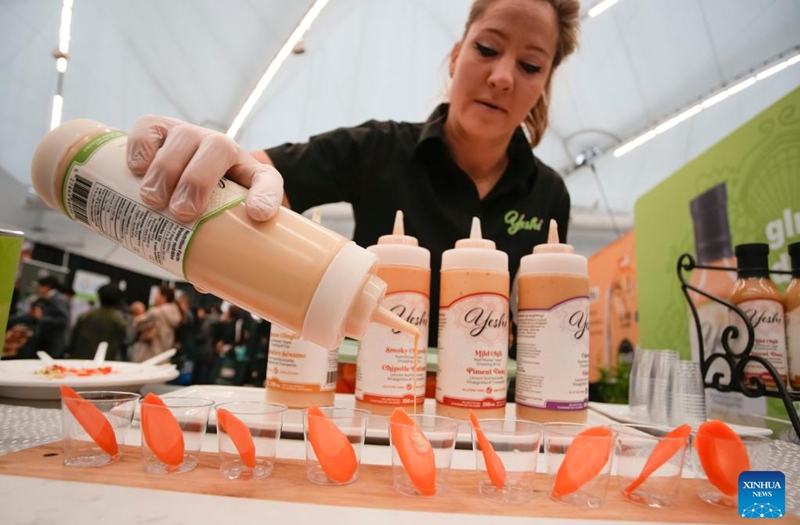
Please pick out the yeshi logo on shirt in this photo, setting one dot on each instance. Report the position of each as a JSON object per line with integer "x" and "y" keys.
{"x": 516, "y": 221}
{"x": 762, "y": 494}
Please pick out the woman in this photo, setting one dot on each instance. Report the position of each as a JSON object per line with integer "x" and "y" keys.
{"x": 155, "y": 328}
{"x": 471, "y": 158}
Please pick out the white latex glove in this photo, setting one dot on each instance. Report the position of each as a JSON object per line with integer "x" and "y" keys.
{"x": 182, "y": 163}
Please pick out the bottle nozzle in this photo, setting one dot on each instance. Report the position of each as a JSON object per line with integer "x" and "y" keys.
{"x": 398, "y": 224}
{"x": 553, "y": 245}
{"x": 398, "y": 235}
{"x": 316, "y": 215}
{"x": 475, "y": 230}
{"x": 475, "y": 239}
{"x": 552, "y": 235}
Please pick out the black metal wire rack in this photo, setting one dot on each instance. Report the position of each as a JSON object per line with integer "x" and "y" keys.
{"x": 736, "y": 362}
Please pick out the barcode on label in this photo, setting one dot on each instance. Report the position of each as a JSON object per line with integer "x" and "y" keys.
{"x": 80, "y": 199}
{"x": 330, "y": 378}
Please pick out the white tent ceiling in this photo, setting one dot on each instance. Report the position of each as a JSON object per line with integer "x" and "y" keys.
{"x": 198, "y": 60}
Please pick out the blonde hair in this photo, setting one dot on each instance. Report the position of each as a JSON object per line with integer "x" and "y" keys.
{"x": 568, "y": 14}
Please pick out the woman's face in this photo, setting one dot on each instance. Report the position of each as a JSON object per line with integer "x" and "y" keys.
{"x": 501, "y": 68}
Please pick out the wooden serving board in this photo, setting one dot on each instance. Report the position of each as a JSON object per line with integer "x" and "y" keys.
{"x": 373, "y": 489}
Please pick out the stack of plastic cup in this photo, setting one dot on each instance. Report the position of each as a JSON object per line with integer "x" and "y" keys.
{"x": 688, "y": 404}
{"x": 658, "y": 406}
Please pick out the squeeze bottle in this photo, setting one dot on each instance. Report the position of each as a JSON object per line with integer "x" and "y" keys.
{"x": 471, "y": 371}
{"x": 390, "y": 371}
{"x": 300, "y": 373}
{"x": 553, "y": 334}
{"x": 287, "y": 270}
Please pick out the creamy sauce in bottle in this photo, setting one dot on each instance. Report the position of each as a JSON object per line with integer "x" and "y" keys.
{"x": 391, "y": 368}
{"x": 758, "y": 297}
{"x": 288, "y": 270}
{"x": 472, "y": 363}
{"x": 552, "y": 334}
{"x": 300, "y": 373}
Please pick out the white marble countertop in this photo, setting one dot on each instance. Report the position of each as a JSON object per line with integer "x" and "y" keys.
{"x": 40, "y": 501}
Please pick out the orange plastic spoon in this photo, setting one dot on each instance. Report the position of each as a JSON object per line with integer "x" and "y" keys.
{"x": 92, "y": 420}
{"x": 584, "y": 460}
{"x": 415, "y": 451}
{"x": 335, "y": 453}
{"x": 161, "y": 431}
{"x": 662, "y": 453}
{"x": 722, "y": 454}
{"x": 239, "y": 434}
{"x": 494, "y": 465}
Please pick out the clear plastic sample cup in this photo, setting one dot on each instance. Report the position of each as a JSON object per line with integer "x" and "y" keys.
{"x": 172, "y": 435}
{"x": 89, "y": 441}
{"x": 579, "y": 465}
{"x": 720, "y": 474}
{"x": 410, "y": 453}
{"x": 516, "y": 443}
{"x": 334, "y": 442}
{"x": 648, "y": 478}
{"x": 248, "y": 435}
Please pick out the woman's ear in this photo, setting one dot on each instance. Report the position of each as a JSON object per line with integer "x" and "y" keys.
{"x": 453, "y": 56}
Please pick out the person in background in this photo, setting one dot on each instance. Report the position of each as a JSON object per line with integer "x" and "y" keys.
{"x": 51, "y": 311}
{"x": 472, "y": 158}
{"x": 205, "y": 327}
{"x": 155, "y": 328}
{"x": 231, "y": 336}
{"x": 101, "y": 324}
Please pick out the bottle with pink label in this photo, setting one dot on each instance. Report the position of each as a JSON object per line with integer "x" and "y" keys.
{"x": 552, "y": 334}
{"x": 761, "y": 301}
{"x": 390, "y": 371}
{"x": 473, "y": 329}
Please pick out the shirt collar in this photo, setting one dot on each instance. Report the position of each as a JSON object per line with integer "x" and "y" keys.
{"x": 520, "y": 154}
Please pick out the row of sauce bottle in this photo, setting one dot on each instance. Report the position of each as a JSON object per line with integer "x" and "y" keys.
{"x": 474, "y": 323}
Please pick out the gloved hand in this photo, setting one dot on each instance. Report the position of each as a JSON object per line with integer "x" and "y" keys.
{"x": 182, "y": 164}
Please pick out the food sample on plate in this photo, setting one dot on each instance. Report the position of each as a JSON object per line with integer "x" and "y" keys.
{"x": 61, "y": 371}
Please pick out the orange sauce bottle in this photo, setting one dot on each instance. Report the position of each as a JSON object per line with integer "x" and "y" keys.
{"x": 390, "y": 371}
{"x": 473, "y": 329}
{"x": 552, "y": 334}
{"x": 792, "y": 305}
{"x": 761, "y": 301}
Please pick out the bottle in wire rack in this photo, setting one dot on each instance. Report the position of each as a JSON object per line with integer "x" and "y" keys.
{"x": 761, "y": 301}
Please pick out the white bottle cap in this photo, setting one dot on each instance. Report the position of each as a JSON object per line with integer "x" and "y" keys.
{"x": 346, "y": 298}
{"x": 475, "y": 252}
{"x": 554, "y": 258}
{"x": 49, "y": 155}
{"x": 399, "y": 249}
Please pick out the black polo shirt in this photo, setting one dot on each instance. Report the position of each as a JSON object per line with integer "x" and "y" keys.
{"x": 382, "y": 167}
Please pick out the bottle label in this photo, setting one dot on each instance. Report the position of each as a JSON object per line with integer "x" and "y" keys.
{"x": 473, "y": 352}
{"x": 387, "y": 372}
{"x": 294, "y": 365}
{"x": 793, "y": 343}
{"x": 553, "y": 356}
{"x": 97, "y": 193}
{"x": 766, "y": 316}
